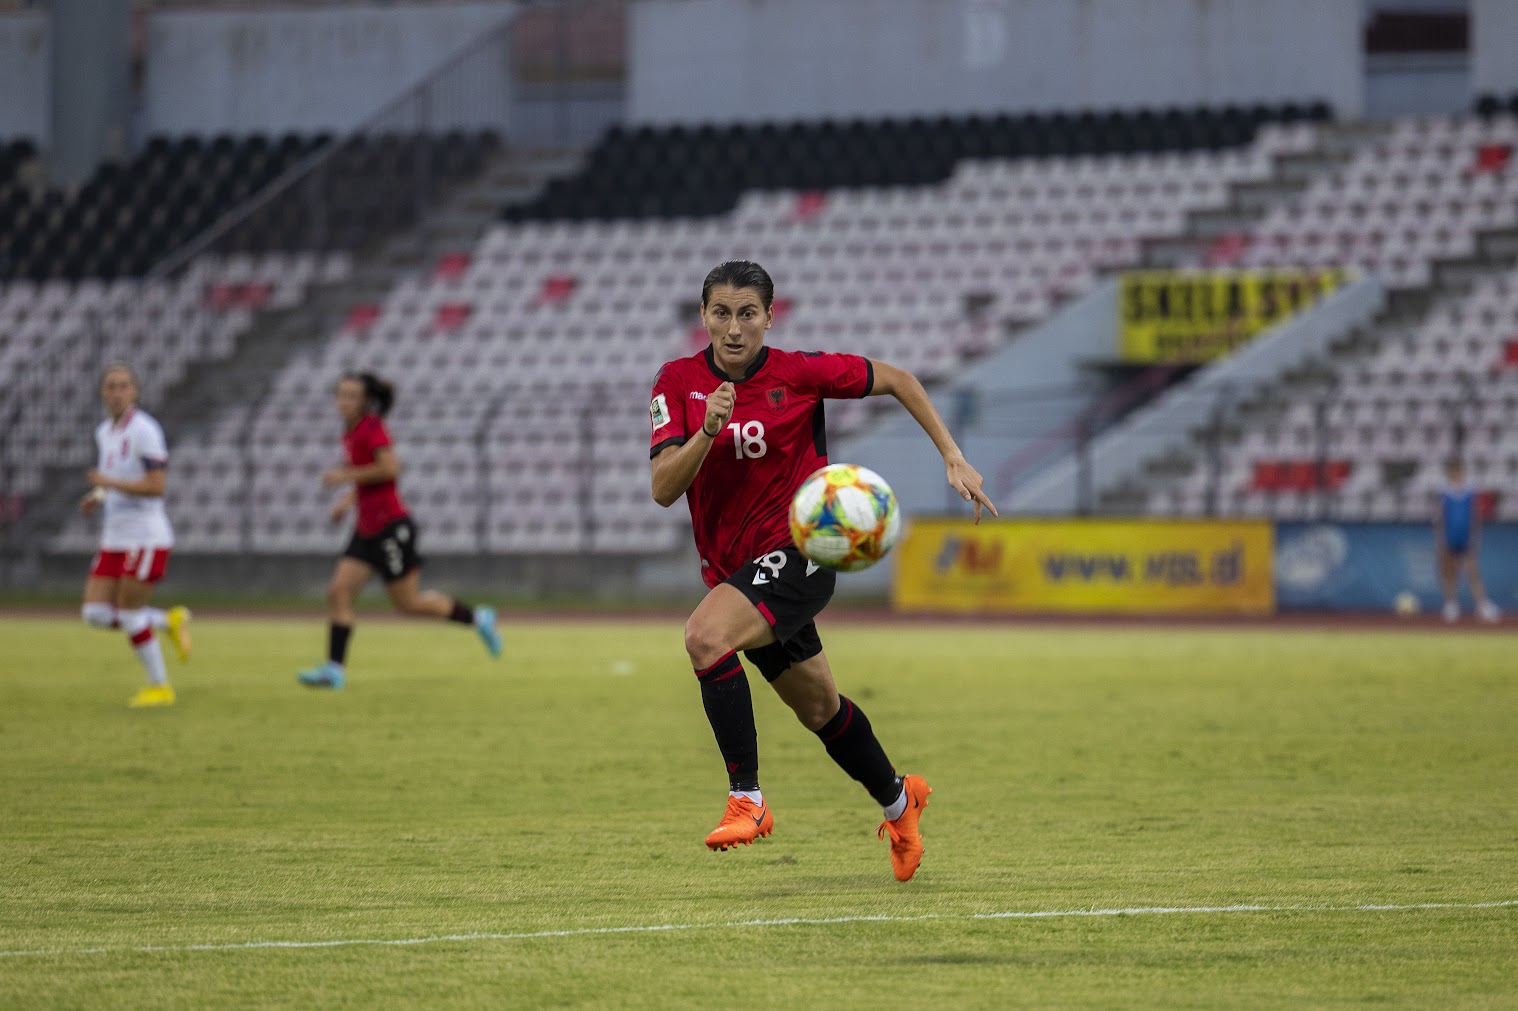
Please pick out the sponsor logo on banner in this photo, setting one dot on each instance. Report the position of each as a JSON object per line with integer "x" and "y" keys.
{"x": 1179, "y": 317}
{"x": 1087, "y": 567}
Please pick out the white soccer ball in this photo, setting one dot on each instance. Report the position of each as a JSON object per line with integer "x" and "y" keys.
{"x": 844, "y": 517}
{"x": 1406, "y": 603}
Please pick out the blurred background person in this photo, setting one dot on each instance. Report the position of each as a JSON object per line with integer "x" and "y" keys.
{"x": 1457, "y": 540}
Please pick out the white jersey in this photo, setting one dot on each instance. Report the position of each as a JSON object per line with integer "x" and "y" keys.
{"x": 128, "y": 449}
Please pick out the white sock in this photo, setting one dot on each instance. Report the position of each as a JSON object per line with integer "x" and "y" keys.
{"x": 157, "y": 618}
{"x": 98, "y": 615}
{"x": 139, "y": 630}
{"x": 898, "y": 806}
{"x": 756, "y": 796}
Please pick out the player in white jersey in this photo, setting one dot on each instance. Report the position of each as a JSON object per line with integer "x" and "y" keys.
{"x": 129, "y": 479}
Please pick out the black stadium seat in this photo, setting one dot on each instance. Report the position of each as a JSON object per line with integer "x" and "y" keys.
{"x": 129, "y": 216}
{"x": 682, "y": 171}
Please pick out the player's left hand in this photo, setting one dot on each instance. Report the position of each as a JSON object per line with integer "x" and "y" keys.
{"x": 335, "y": 476}
{"x": 98, "y": 480}
{"x": 966, "y": 480}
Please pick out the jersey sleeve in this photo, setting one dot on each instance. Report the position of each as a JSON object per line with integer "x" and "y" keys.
{"x": 151, "y": 447}
{"x": 378, "y": 436}
{"x": 839, "y": 377}
{"x": 666, "y": 414}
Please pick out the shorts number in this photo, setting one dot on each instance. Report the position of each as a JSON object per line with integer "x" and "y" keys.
{"x": 393, "y": 560}
{"x": 748, "y": 440}
{"x": 771, "y": 563}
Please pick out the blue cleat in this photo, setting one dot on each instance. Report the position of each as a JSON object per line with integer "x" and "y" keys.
{"x": 328, "y": 675}
{"x": 484, "y": 623}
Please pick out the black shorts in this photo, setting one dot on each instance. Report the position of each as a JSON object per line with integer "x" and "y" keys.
{"x": 789, "y": 592}
{"x": 391, "y": 552}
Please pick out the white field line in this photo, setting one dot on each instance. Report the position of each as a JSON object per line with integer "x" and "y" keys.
{"x": 1043, "y": 914}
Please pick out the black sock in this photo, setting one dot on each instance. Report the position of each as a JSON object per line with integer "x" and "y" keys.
{"x": 730, "y": 711}
{"x": 851, "y": 743}
{"x": 461, "y": 613}
{"x": 337, "y": 643}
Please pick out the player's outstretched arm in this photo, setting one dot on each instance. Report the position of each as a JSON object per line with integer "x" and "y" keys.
{"x": 963, "y": 478}
{"x": 675, "y": 468}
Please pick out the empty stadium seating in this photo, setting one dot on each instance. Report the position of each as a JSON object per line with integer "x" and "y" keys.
{"x": 524, "y": 364}
{"x": 55, "y": 332}
{"x": 1421, "y": 193}
{"x": 128, "y": 217}
{"x": 1450, "y": 388}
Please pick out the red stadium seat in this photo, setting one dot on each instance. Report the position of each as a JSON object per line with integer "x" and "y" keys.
{"x": 450, "y": 317}
{"x": 557, "y": 289}
{"x": 361, "y": 317}
{"x": 1227, "y": 250}
{"x": 223, "y": 295}
{"x": 1301, "y": 475}
{"x": 809, "y": 204}
{"x": 1337, "y": 472}
{"x": 1491, "y": 158}
{"x": 1509, "y": 353}
{"x": 451, "y": 267}
{"x": 1269, "y": 475}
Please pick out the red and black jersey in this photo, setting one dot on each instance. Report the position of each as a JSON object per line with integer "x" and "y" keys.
{"x": 379, "y": 504}
{"x": 740, "y": 500}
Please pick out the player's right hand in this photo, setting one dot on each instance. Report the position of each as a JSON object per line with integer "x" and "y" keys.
{"x": 89, "y": 503}
{"x": 719, "y": 407}
{"x": 338, "y": 511}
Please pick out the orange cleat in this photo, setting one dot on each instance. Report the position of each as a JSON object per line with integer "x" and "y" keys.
{"x": 906, "y": 840}
{"x": 744, "y": 822}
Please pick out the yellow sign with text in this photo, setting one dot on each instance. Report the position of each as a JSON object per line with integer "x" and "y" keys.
{"x": 1179, "y": 317}
{"x": 1086, "y": 567}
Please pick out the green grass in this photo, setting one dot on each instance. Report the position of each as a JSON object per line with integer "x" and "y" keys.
{"x": 570, "y": 787}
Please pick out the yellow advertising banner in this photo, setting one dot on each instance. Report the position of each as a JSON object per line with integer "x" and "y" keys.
{"x": 1178, "y": 317}
{"x": 1086, "y": 567}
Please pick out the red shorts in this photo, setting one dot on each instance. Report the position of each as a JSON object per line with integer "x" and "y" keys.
{"x": 146, "y": 565}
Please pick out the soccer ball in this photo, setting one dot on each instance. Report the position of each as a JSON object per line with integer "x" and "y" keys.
{"x": 845, "y": 517}
{"x": 1406, "y": 603}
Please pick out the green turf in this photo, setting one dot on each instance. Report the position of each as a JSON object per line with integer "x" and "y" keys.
{"x": 569, "y": 787}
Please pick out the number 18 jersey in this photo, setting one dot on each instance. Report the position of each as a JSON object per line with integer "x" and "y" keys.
{"x": 740, "y": 500}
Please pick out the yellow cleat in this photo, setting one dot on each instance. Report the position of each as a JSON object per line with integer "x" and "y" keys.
{"x": 179, "y": 631}
{"x": 152, "y": 695}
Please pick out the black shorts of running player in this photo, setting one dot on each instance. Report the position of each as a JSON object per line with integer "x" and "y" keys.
{"x": 789, "y": 592}
{"x": 391, "y": 552}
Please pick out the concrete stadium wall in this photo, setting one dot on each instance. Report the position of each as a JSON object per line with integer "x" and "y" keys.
{"x": 806, "y": 59}
{"x": 212, "y": 71}
{"x": 1494, "y": 47}
{"x": 24, "y": 84}
{"x": 1417, "y": 84}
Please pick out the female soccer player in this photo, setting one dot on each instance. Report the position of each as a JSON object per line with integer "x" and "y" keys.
{"x": 129, "y": 478}
{"x": 1457, "y": 540}
{"x": 384, "y": 538}
{"x": 737, "y": 427}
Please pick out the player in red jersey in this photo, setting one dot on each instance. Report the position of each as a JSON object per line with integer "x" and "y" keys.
{"x": 736, "y": 429}
{"x": 384, "y": 538}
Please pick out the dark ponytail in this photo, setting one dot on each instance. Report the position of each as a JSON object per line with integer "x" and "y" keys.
{"x": 379, "y": 394}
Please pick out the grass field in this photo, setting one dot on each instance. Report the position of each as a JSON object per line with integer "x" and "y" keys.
{"x": 568, "y": 788}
